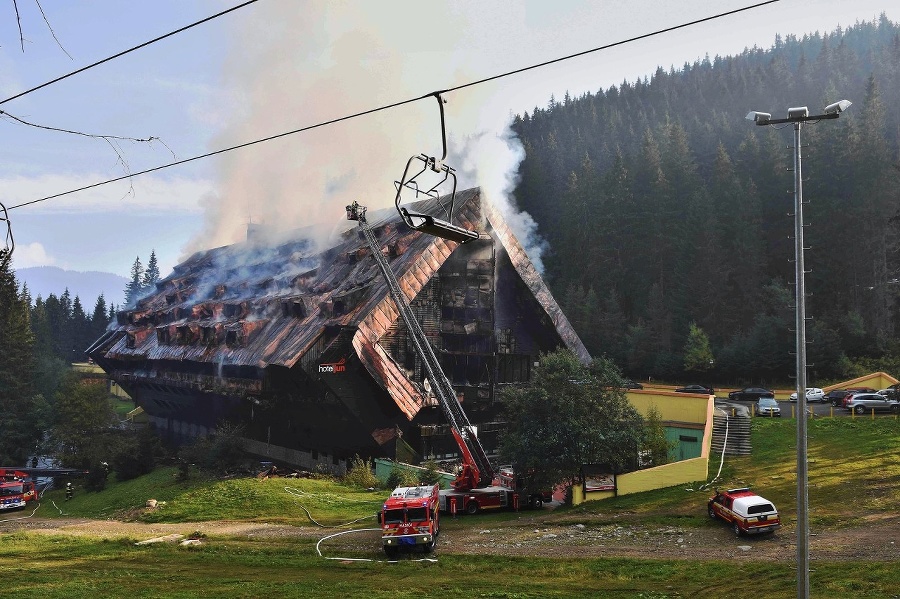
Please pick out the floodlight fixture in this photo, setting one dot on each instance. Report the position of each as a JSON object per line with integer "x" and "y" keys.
{"x": 760, "y": 118}
{"x": 838, "y": 107}
{"x": 799, "y": 112}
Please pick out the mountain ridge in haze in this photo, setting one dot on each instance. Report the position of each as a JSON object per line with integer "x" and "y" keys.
{"x": 44, "y": 280}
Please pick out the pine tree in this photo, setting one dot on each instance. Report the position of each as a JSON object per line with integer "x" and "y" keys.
{"x": 135, "y": 285}
{"x": 151, "y": 275}
{"x": 99, "y": 318}
{"x": 20, "y": 426}
{"x": 698, "y": 357}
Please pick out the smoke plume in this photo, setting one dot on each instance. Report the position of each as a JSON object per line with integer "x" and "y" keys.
{"x": 297, "y": 64}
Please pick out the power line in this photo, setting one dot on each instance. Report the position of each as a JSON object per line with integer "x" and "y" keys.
{"x": 124, "y": 52}
{"x": 396, "y": 104}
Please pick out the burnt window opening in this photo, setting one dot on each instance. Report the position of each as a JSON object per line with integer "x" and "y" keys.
{"x": 295, "y": 309}
{"x": 122, "y": 318}
{"x": 231, "y": 310}
{"x": 233, "y": 338}
{"x": 513, "y": 368}
{"x": 163, "y": 337}
{"x": 338, "y": 308}
{"x": 183, "y": 335}
{"x": 172, "y": 299}
{"x": 208, "y": 335}
{"x": 130, "y": 340}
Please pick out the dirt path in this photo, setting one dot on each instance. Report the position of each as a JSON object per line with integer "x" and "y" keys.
{"x": 535, "y": 534}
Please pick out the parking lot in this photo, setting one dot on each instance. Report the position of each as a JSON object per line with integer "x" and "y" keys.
{"x": 789, "y": 409}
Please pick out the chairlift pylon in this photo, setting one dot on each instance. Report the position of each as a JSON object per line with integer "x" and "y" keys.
{"x": 428, "y": 223}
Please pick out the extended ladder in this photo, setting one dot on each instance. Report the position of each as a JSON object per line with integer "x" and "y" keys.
{"x": 473, "y": 453}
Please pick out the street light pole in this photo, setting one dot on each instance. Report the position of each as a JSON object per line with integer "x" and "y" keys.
{"x": 797, "y": 116}
{"x": 800, "y": 302}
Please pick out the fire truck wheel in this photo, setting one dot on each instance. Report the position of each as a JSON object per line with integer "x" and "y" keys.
{"x": 536, "y": 502}
{"x": 472, "y": 508}
{"x": 391, "y": 551}
{"x": 428, "y": 547}
{"x": 712, "y": 513}
{"x": 737, "y": 530}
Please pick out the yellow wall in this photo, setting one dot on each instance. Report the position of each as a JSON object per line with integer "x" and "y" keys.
{"x": 673, "y": 406}
{"x": 876, "y": 380}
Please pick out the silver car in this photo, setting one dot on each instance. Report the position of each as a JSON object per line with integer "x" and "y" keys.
{"x": 864, "y": 403}
{"x": 767, "y": 406}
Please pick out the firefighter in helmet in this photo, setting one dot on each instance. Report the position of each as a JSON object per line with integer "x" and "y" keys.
{"x": 69, "y": 491}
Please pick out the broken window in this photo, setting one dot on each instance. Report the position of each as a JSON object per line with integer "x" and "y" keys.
{"x": 163, "y": 337}
{"x": 208, "y": 335}
{"x": 232, "y": 338}
{"x": 293, "y": 308}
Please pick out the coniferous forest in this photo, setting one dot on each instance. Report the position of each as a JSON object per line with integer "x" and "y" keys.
{"x": 663, "y": 208}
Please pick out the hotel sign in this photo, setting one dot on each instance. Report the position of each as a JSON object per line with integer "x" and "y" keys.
{"x": 333, "y": 367}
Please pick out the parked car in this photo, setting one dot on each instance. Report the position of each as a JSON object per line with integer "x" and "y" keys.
{"x": 747, "y": 512}
{"x": 812, "y": 394}
{"x": 864, "y": 403}
{"x": 853, "y": 391}
{"x": 630, "y": 384}
{"x": 893, "y": 391}
{"x": 750, "y": 394}
{"x": 835, "y": 396}
{"x": 767, "y": 406}
{"x": 696, "y": 389}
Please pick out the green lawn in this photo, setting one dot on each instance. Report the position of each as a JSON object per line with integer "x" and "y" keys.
{"x": 853, "y": 466}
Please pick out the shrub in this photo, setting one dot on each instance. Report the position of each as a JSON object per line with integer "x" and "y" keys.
{"x": 401, "y": 477}
{"x": 360, "y": 474}
{"x": 431, "y": 475}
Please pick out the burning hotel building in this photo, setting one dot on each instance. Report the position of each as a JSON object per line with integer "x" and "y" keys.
{"x": 306, "y": 350}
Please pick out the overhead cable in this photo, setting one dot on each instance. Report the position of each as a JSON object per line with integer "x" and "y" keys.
{"x": 398, "y": 103}
{"x": 124, "y": 52}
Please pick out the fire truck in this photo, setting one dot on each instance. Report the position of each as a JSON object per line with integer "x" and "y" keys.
{"x": 16, "y": 489}
{"x": 410, "y": 518}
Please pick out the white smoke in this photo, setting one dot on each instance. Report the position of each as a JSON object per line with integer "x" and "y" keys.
{"x": 298, "y": 64}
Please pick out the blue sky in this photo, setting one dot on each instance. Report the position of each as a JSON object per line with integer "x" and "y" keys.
{"x": 278, "y": 65}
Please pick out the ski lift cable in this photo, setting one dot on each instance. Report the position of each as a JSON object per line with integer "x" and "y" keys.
{"x": 396, "y": 104}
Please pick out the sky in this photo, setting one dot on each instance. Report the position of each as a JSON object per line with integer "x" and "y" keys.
{"x": 279, "y": 65}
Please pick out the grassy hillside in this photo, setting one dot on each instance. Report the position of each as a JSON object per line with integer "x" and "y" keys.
{"x": 853, "y": 469}
{"x": 854, "y": 473}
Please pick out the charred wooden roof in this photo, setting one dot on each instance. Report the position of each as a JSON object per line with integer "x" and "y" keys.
{"x": 256, "y": 306}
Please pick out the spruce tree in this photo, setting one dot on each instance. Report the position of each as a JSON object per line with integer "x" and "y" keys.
{"x": 20, "y": 426}
{"x": 135, "y": 285}
{"x": 151, "y": 275}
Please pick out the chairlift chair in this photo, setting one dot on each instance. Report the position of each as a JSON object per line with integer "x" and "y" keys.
{"x": 428, "y": 223}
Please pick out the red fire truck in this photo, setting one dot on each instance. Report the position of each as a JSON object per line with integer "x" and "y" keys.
{"x": 16, "y": 489}
{"x": 410, "y": 518}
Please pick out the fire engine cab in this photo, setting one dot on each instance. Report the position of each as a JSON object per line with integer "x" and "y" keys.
{"x": 16, "y": 489}
{"x": 747, "y": 512}
{"x": 410, "y": 518}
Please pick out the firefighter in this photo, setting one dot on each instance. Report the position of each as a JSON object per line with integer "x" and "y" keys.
{"x": 69, "y": 491}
